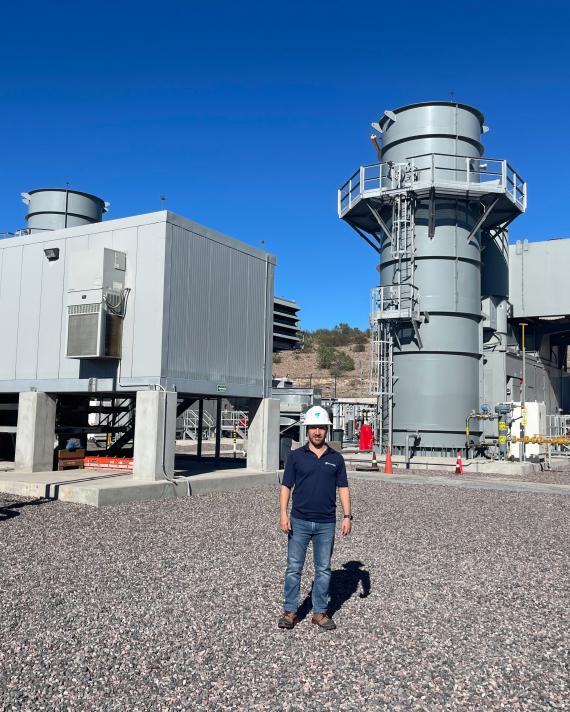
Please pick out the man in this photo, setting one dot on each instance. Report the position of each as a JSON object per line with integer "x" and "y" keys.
{"x": 314, "y": 472}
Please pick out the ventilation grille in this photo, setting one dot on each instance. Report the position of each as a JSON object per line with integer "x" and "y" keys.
{"x": 83, "y": 330}
{"x": 83, "y": 309}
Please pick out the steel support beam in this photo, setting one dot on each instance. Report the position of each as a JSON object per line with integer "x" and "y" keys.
{"x": 481, "y": 220}
{"x": 379, "y": 220}
{"x": 183, "y": 406}
{"x": 431, "y": 214}
{"x": 363, "y": 236}
{"x": 218, "y": 428}
{"x": 200, "y": 432}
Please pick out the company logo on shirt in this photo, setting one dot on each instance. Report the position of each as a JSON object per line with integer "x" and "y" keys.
{"x": 330, "y": 463}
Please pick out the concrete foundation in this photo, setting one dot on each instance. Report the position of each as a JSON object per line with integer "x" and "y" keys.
{"x": 263, "y": 435}
{"x": 155, "y": 436}
{"x": 100, "y": 488}
{"x": 35, "y": 432}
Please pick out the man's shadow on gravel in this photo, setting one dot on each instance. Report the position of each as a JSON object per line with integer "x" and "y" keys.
{"x": 344, "y": 584}
{"x": 8, "y": 511}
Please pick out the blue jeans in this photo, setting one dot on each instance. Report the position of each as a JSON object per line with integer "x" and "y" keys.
{"x": 322, "y": 536}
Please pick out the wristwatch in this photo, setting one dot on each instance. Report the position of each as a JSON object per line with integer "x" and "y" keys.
{"x": 348, "y": 516}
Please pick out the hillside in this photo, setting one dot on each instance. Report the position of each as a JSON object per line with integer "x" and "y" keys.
{"x": 302, "y": 368}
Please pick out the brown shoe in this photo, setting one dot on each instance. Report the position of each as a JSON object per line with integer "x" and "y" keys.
{"x": 323, "y": 621}
{"x": 288, "y": 620}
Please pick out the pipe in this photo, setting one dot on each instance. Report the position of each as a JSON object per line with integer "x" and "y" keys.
{"x": 474, "y": 416}
{"x": 416, "y": 437}
{"x": 377, "y": 146}
{"x": 523, "y": 394}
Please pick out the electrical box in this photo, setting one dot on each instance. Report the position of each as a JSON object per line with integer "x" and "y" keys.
{"x": 534, "y": 423}
{"x": 95, "y": 303}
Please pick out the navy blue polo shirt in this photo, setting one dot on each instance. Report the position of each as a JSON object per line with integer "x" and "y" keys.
{"x": 314, "y": 481}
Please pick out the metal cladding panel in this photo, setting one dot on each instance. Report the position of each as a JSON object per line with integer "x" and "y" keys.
{"x": 9, "y": 309}
{"x": 448, "y": 333}
{"x": 51, "y": 310}
{"x": 438, "y": 401}
{"x": 543, "y": 383}
{"x": 449, "y": 286}
{"x": 146, "y": 301}
{"x": 539, "y": 278}
{"x": 29, "y": 312}
{"x": 220, "y": 316}
{"x": 68, "y": 367}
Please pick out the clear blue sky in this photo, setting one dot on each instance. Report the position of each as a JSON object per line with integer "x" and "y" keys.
{"x": 249, "y": 115}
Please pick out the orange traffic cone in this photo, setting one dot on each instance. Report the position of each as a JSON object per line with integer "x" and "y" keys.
{"x": 374, "y": 464}
{"x": 458, "y": 465}
{"x": 388, "y": 466}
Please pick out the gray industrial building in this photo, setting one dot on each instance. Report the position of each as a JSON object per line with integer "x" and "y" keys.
{"x": 154, "y": 311}
{"x": 445, "y": 318}
{"x": 285, "y": 325}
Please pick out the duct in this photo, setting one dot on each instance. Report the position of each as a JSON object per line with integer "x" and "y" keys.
{"x": 57, "y": 208}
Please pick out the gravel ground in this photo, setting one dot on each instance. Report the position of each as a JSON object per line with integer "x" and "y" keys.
{"x": 455, "y": 600}
{"x": 545, "y": 477}
{"x": 553, "y": 477}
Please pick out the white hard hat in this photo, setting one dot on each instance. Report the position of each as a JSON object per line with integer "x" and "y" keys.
{"x": 317, "y": 416}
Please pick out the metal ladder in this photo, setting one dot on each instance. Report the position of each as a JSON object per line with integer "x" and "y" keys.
{"x": 382, "y": 331}
{"x": 382, "y": 379}
{"x": 403, "y": 225}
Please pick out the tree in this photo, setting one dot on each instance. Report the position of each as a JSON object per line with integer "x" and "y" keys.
{"x": 326, "y": 356}
{"x": 342, "y": 362}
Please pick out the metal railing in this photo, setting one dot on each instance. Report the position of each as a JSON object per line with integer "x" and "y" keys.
{"x": 433, "y": 169}
{"x": 558, "y": 426}
{"x": 395, "y": 301}
{"x": 23, "y": 231}
{"x": 231, "y": 420}
{"x": 190, "y": 420}
{"x": 237, "y": 420}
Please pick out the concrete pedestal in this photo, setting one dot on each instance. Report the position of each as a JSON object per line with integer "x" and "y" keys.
{"x": 263, "y": 435}
{"x": 155, "y": 435}
{"x": 36, "y": 432}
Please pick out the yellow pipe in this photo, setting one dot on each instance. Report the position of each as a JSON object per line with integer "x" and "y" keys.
{"x": 541, "y": 440}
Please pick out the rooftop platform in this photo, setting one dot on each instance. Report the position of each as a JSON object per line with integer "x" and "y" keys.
{"x": 491, "y": 181}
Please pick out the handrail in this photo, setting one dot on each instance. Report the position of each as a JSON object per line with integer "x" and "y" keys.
{"x": 468, "y": 171}
{"x": 399, "y": 300}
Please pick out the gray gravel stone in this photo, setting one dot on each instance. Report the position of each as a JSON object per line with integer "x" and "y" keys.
{"x": 173, "y": 605}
